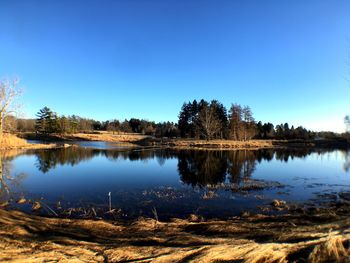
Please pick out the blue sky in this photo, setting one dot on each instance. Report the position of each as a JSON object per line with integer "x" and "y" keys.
{"x": 287, "y": 60}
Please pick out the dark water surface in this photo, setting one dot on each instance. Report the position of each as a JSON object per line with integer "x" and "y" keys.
{"x": 171, "y": 183}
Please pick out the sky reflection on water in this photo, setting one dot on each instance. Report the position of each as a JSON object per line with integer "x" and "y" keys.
{"x": 176, "y": 182}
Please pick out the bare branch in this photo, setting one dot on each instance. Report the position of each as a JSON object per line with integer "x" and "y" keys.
{"x": 9, "y": 94}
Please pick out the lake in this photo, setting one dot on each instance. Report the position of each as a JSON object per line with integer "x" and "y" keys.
{"x": 166, "y": 183}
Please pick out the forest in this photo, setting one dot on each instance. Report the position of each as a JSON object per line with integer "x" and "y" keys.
{"x": 196, "y": 120}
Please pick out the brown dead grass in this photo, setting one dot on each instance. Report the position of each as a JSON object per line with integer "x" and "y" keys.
{"x": 222, "y": 144}
{"x": 146, "y": 140}
{"x": 27, "y": 238}
{"x": 9, "y": 141}
{"x": 106, "y": 137}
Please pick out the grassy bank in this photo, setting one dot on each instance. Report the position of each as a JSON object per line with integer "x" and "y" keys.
{"x": 145, "y": 140}
{"x": 10, "y": 142}
{"x": 96, "y": 136}
{"x": 321, "y": 237}
{"x": 220, "y": 144}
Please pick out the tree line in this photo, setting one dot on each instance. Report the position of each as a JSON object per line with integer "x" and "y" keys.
{"x": 200, "y": 120}
{"x": 211, "y": 120}
{"x": 49, "y": 122}
{"x": 197, "y": 120}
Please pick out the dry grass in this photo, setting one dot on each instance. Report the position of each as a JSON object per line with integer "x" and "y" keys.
{"x": 331, "y": 250}
{"x": 10, "y": 142}
{"x": 146, "y": 140}
{"x": 95, "y": 136}
{"x": 26, "y": 238}
{"x": 109, "y": 137}
{"x": 222, "y": 144}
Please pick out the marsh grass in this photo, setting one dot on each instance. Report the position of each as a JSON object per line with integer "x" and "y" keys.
{"x": 11, "y": 141}
{"x": 255, "y": 239}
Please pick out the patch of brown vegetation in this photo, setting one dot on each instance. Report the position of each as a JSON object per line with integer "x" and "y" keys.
{"x": 10, "y": 141}
{"x": 107, "y": 137}
{"x": 221, "y": 144}
{"x": 318, "y": 238}
{"x": 128, "y": 139}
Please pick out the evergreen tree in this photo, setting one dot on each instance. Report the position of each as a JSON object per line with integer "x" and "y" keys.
{"x": 221, "y": 114}
{"x": 46, "y": 121}
{"x": 188, "y": 119}
{"x": 183, "y": 122}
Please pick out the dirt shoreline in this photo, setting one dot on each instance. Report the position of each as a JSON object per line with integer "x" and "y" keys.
{"x": 313, "y": 237}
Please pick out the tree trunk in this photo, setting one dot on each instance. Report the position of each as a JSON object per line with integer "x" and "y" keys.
{"x": 1, "y": 125}
{"x": 1, "y": 174}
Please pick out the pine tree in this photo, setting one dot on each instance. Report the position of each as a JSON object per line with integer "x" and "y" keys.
{"x": 47, "y": 121}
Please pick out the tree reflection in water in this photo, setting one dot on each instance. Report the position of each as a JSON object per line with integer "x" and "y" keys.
{"x": 241, "y": 165}
{"x": 346, "y": 165}
{"x": 4, "y": 179}
{"x": 202, "y": 167}
{"x": 195, "y": 167}
{"x": 7, "y": 181}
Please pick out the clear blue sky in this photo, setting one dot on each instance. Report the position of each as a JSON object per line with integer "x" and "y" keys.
{"x": 140, "y": 58}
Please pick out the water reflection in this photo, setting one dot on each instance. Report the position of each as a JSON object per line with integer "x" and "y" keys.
{"x": 6, "y": 178}
{"x": 241, "y": 165}
{"x": 346, "y": 165}
{"x": 196, "y": 168}
{"x": 140, "y": 179}
{"x": 49, "y": 159}
{"x": 202, "y": 167}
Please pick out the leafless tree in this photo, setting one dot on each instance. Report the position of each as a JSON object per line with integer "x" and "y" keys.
{"x": 249, "y": 121}
{"x": 9, "y": 94}
{"x": 236, "y": 124}
{"x": 209, "y": 122}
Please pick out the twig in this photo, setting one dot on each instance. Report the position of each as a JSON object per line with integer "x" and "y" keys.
{"x": 154, "y": 211}
{"x": 49, "y": 208}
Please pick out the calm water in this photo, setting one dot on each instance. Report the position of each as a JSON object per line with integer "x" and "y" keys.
{"x": 175, "y": 183}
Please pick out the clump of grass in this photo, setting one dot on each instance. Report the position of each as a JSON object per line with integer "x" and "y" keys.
{"x": 11, "y": 141}
{"x": 267, "y": 253}
{"x": 332, "y": 250}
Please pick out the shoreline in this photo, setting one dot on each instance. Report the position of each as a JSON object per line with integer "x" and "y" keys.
{"x": 12, "y": 142}
{"x": 315, "y": 236}
{"x": 312, "y": 234}
{"x": 179, "y": 143}
{"x": 34, "y": 147}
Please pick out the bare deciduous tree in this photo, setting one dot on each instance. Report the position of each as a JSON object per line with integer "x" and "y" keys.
{"x": 249, "y": 121}
{"x": 235, "y": 122}
{"x": 209, "y": 122}
{"x": 9, "y": 94}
